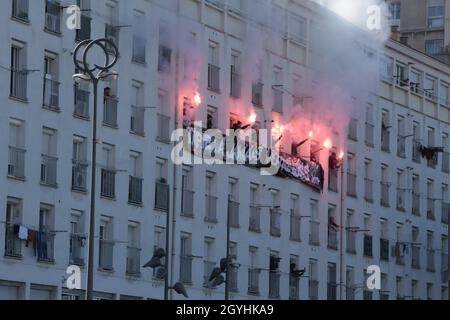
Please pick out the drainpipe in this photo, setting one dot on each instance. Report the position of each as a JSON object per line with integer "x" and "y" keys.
{"x": 341, "y": 235}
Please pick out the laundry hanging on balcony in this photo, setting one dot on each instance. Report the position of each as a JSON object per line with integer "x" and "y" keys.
{"x": 430, "y": 153}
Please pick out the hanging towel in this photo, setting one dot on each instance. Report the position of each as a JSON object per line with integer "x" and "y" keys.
{"x": 31, "y": 237}
{"x": 23, "y": 233}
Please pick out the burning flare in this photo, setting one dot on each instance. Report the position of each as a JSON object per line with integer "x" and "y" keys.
{"x": 310, "y": 134}
{"x": 341, "y": 155}
{"x": 327, "y": 144}
{"x": 252, "y": 118}
{"x": 197, "y": 99}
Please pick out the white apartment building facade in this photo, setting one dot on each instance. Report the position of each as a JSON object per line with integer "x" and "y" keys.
{"x": 390, "y": 209}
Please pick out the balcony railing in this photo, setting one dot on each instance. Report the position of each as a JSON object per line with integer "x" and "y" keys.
{"x": 384, "y": 249}
{"x": 253, "y": 281}
{"x": 48, "y": 170}
{"x": 81, "y": 102}
{"x": 186, "y": 269}
{"x": 84, "y": 33}
{"x": 401, "y": 150}
{"x": 110, "y": 112}
{"x": 415, "y": 151}
{"x": 213, "y": 77}
{"x": 416, "y": 204}
{"x": 234, "y": 213}
{"x": 351, "y": 184}
{"x": 51, "y": 94}
{"x": 16, "y": 162}
{"x": 295, "y": 226}
{"x": 430, "y": 260}
{"x": 314, "y": 233}
{"x": 52, "y": 16}
{"x": 13, "y": 245}
{"x": 445, "y": 162}
{"x": 384, "y": 201}
{"x": 415, "y": 262}
{"x": 20, "y": 9}
{"x": 313, "y": 289}
{"x": 210, "y": 208}
{"x": 430, "y": 208}
{"x": 401, "y": 193}
{"x": 369, "y": 134}
{"x": 445, "y": 209}
{"x": 233, "y": 274}
{"x": 332, "y": 238}
{"x": 331, "y": 290}
{"x": 19, "y": 84}
{"x": 79, "y": 174}
{"x": 235, "y": 85}
{"x": 133, "y": 261}
{"x": 45, "y": 246}
{"x": 385, "y": 137}
{"x": 294, "y": 287}
{"x": 106, "y": 250}
{"x": 108, "y": 183}
{"x": 255, "y": 219}
{"x": 368, "y": 190}
{"x": 135, "y": 190}
{"x": 277, "y": 100}
{"x": 332, "y": 180}
{"x": 161, "y": 196}
{"x": 351, "y": 241}
{"x": 208, "y": 267}
{"x": 137, "y": 120}
{"x": 77, "y": 242}
{"x": 257, "y": 94}
{"x": 274, "y": 284}
{"x": 275, "y": 216}
{"x": 187, "y": 205}
{"x": 368, "y": 246}
{"x": 163, "y": 133}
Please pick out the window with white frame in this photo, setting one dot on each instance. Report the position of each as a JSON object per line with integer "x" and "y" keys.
{"x": 435, "y": 16}
{"x": 298, "y": 29}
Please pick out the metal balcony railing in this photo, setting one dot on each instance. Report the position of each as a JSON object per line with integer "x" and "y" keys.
{"x": 135, "y": 190}
{"x": 353, "y": 130}
{"x": 415, "y": 151}
{"x": 112, "y": 32}
{"x": 186, "y": 269}
{"x": 445, "y": 209}
{"x": 108, "y": 183}
{"x": 235, "y": 85}
{"x": 76, "y": 244}
{"x": 234, "y": 213}
{"x": 210, "y": 208}
{"x": 20, "y": 9}
{"x": 163, "y": 133}
{"x": 369, "y": 129}
{"x": 295, "y": 226}
{"x": 257, "y": 94}
{"x": 110, "y": 111}
{"x": 368, "y": 190}
{"x": 385, "y": 144}
{"x": 255, "y": 219}
{"x": 430, "y": 260}
{"x": 333, "y": 180}
{"x": 187, "y": 203}
{"x": 233, "y": 283}
{"x": 161, "y": 195}
{"x": 274, "y": 285}
{"x": 48, "y": 170}
{"x": 79, "y": 175}
{"x": 275, "y": 228}
{"x": 253, "y": 281}
{"x": 52, "y": 16}
{"x": 384, "y": 201}
{"x": 45, "y": 246}
{"x": 384, "y": 249}
{"x": 368, "y": 252}
{"x": 105, "y": 253}
{"x": 18, "y": 87}
{"x": 51, "y": 94}
{"x": 137, "y": 120}
{"x": 401, "y": 149}
{"x": 415, "y": 204}
{"x": 208, "y": 267}
{"x": 81, "y": 102}
{"x": 294, "y": 287}
{"x": 430, "y": 208}
{"x": 331, "y": 290}
{"x": 16, "y": 162}
{"x": 13, "y": 245}
{"x": 313, "y": 289}
{"x": 445, "y": 162}
{"x": 213, "y": 77}
{"x": 314, "y": 233}
{"x": 415, "y": 262}
{"x": 84, "y": 33}
{"x": 133, "y": 261}
{"x": 351, "y": 184}
{"x": 332, "y": 238}
{"x": 401, "y": 193}
{"x": 351, "y": 241}
{"x": 277, "y": 100}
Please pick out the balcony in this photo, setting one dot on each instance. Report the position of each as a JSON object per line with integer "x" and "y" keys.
{"x": 76, "y": 245}
{"x": 45, "y": 246}
{"x": 369, "y": 128}
{"x": 110, "y": 112}
{"x": 332, "y": 238}
{"x": 384, "y": 201}
{"x": 368, "y": 190}
{"x": 133, "y": 261}
{"x": 351, "y": 184}
{"x": 16, "y": 163}
{"x": 257, "y": 94}
{"x": 208, "y": 267}
{"x": 277, "y": 101}
{"x": 274, "y": 285}
{"x": 351, "y": 241}
{"x": 210, "y": 208}
{"x": 233, "y": 206}
{"x": 81, "y": 102}
{"x": 385, "y": 137}
{"x": 213, "y": 78}
{"x": 187, "y": 203}
{"x": 253, "y": 281}
{"x": 235, "y": 85}
{"x": 294, "y": 287}
{"x": 445, "y": 209}
{"x": 105, "y": 253}
{"x": 295, "y": 226}
{"x": 275, "y": 230}
{"x": 384, "y": 249}
{"x": 331, "y": 290}
{"x": 135, "y": 190}
{"x": 255, "y": 219}
{"x": 51, "y": 94}
{"x": 48, "y": 170}
{"x": 112, "y": 33}
{"x": 333, "y": 180}
{"x": 430, "y": 260}
{"x": 161, "y": 196}
{"x": 314, "y": 233}
{"x": 137, "y": 120}
{"x": 353, "y": 130}
{"x": 84, "y": 33}
{"x": 233, "y": 274}
{"x": 368, "y": 246}
{"x": 186, "y": 269}
{"x": 415, "y": 262}
{"x": 430, "y": 209}
{"x": 401, "y": 193}
{"x": 445, "y": 162}
{"x": 415, "y": 151}
{"x": 416, "y": 204}
{"x": 18, "y": 87}
{"x": 401, "y": 149}
{"x": 313, "y": 289}
{"x": 20, "y": 9}
{"x": 79, "y": 175}
{"x": 108, "y": 183}
{"x": 52, "y": 16}
{"x": 163, "y": 133}
{"x": 13, "y": 245}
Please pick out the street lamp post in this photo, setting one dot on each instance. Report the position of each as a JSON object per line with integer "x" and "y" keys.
{"x": 93, "y": 74}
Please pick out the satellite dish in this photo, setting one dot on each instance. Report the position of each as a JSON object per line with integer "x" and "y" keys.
{"x": 180, "y": 289}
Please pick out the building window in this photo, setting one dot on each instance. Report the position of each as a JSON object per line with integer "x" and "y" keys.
{"x": 298, "y": 31}
{"x": 213, "y": 67}
{"x": 111, "y": 27}
{"x": 211, "y": 118}
{"x": 18, "y": 78}
{"x": 135, "y": 178}
{"x": 394, "y": 10}
{"x": 46, "y": 235}
{"x": 106, "y": 243}
{"x": 84, "y": 33}
{"x": 186, "y": 258}
{"x": 79, "y": 164}
{"x": 49, "y": 157}
{"x": 137, "y": 119}
{"x": 52, "y": 16}
{"x": 235, "y": 83}
{"x": 77, "y": 238}
{"x": 435, "y": 13}
{"x": 434, "y": 47}
{"x": 20, "y": 9}
{"x": 139, "y": 39}
{"x": 133, "y": 250}
{"x": 108, "y": 177}
{"x": 165, "y": 52}
{"x": 51, "y": 84}
{"x": 13, "y": 245}
{"x": 16, "y": 159}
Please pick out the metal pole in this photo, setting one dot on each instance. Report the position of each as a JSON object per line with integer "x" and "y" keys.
{"x": 166, "y": 278}
{"x": 91, "y": 222}
{"x": 341, "y": 235}
{"x": 227, "y": 271}
{"x": 448, "y": 255}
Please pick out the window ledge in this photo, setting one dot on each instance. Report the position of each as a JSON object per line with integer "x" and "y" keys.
{"x": 52, "y": 32}
{"x": 23, "y": 179}
{"x": 20, "y": 20}
{"x": 84, "y": 192}
{"x": 49, "y": 185}
{"x": 112, "y": 126}
{"x": 137, "y": 133}
{"x": 18, "y": 99}
{"x": 85, "y": 118}
{"x": 49, "y": 108}
{"x": 136, "y": 204}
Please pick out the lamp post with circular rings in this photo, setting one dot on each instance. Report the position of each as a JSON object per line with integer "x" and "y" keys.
{"x": 93, "y": 75}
